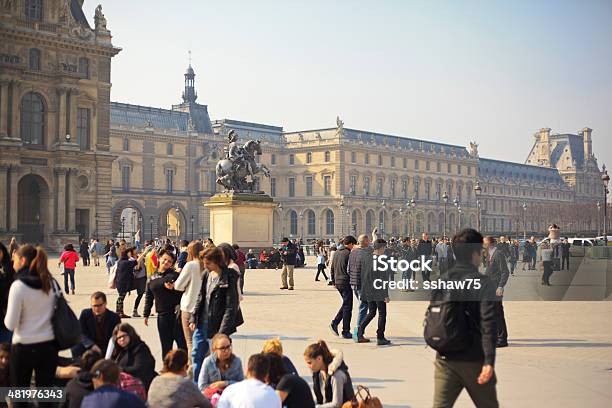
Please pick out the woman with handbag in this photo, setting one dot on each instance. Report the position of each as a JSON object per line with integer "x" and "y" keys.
{"x": 331, "y": 381}
{"x": 133, "y": 355}
{"x": 29, "y": 315}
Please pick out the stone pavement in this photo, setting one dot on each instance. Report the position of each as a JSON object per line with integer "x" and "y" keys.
{"x": 560, "y": 353}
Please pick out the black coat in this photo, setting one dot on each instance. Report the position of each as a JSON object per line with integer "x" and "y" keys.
{"x": 137, "y": 361}
{"x": 77, "y": 389}
{"x": 88, "y": 330}
{"x": 339, "y": 267}
{"x": 124, "y": 278}
{"x": 497, "y": 269}
{"x": 222, "y": 312}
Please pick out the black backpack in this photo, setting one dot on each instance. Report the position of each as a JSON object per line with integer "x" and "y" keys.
{"x": 447, "y": 324}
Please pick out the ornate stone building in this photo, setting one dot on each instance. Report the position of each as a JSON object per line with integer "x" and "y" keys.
{"x": 55, "y": 163}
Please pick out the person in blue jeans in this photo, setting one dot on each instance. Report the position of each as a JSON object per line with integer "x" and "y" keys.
{"x": 360, "y": 254}
{"x": 199, "y": 348}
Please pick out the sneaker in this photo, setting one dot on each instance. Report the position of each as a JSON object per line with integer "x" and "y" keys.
{"x": 383, "y": 342}
{"x": 363, "y": 340}
{"x": 334, "y": 329}
{"x": 291, "y": 288}
{"x": 347, "y": 335}
{"x": 135, "y": 314}
{"x": 330, "y": 283}
{"x": 501, "y": 345}
{"x": 284, "y": 287}
{"x": 124, "y": 316}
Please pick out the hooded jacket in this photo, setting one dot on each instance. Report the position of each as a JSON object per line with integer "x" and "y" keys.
{"x": 339, "y": 371}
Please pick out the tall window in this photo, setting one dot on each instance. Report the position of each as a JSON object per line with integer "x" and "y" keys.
{"x": 427, "y": 190}
{"x": 212, "y": 181}
{"x": 125, "y": 178}
{"x": 327, "y": 156}
{"x": 169, "y": 180}
{"x": 448, "y": 167}
{"x": 404, "y": 162}
{"x": 291, "y": 159}
{"x": 273, "y": 187}
{"x": 33, "y": 10}
{"x": 438, "y": 167}
{"x": 427, "y": 165}
{"x": 293, "y": 222}
{"x": 291, "y": 186}
{"x": 126, "y": 144}
{"x": 309, "y": 185}
{"x": 392, "y": 188}
{"x": 83, "y": 132}
{"x": 353, "y": 186}
{"x": 458, "y": 169}
{"x": 416, "y": 164}
{"x": 329, "y": 222}
{"x": 392, "y": 161}
{"x": 438, "y": 191}
{"x": 84, "y": 67}
{"x": 169, "y": 149}
{"x": 310, "y": 220}
{"x": 379, "y": 186}
{"x": 32, "y": 119}
{"x": 366, "y": 159}
{"x": 405, "y": 188}
{"x": 308, "y": 158}
{"x": 366, "y": 186}
{"x": 34, "y": 59}
{"x": 416, "y": 189}
{"x": 353, "y": 157}
{"x": 327, "y": 185}
{"x": 380, "y": 160}
{"x": 273, "y": 159}
{"x": 469, "y": 170}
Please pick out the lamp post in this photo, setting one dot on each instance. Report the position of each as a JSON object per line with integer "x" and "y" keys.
{"x": 341, "y": 205}
{"x": 151, "y": 226}
{"x": 401, "y": 217}
{"x": 382, "y": 218}
{"x": 122, "y": 226}
{"x": 459, "y": 217}
{"x": 477, "y": 191}
{"x": 97, "y": 217}
{"x": 598, "y": 218}
{"x": 445, "y": 199}
{"x": 302, "y": 224}
{"x": 192, "y": 220}
{"x": 413, "y": 205}
{"x": 178, "y": 222}
{"x": 456, "y": 204}
{"x": 280, "y": 210}
{"x": 524, "y": 225}
{"x": 605, "y": 179}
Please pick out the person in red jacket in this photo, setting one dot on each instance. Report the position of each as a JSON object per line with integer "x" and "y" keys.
{"x": 69, "y": 258}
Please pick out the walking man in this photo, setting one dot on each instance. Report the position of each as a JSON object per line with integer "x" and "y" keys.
{"x": 356, "y": 259}
{"x": 341, "y": 280}
{"x": 288, "y": 256}
{"x": 565, "y": 254}
{"x": 497, "y": 270}
{"x": 425, "y": 249}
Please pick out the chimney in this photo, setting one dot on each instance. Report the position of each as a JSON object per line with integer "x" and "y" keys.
{"x": 543, "y": 157}
{"x": 586, "y": 139}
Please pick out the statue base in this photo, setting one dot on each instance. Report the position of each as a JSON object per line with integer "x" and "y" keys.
{"x": 241, "y": 218}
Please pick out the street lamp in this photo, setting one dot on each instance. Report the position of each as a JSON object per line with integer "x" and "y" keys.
{"x": 122, "y": 227}
{"x": 524, "y": 225}
{"x": 280, "y": 210}
{"x": 459, "y": 217}
{"x": 456, "y": 204}
{"x": 598, "y": 218}
{"x": 192, "y": 220}
{"x": 605, "y": 179}
{"x": 341, "y": 205}
{"x": 477, "y": 191}
{"x": 151, "y": 226}
{"x": 413, "y": 215}
{"x": 445, "y": 199}
{"x": 382, "y": 218}
{"x": 302, "y": 224}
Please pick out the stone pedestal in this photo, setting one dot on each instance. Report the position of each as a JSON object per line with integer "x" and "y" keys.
{"x": 243, "y": 219}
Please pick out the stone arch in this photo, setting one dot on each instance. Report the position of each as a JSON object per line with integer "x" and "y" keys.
{"x": 133, "y": 221}
{"x": 431, "y": 223}
{"x": 356, "y": 222}
{"x": 34, "y": 209}
{"x": 172, "y": 223}
{"x": 370, "y": 222}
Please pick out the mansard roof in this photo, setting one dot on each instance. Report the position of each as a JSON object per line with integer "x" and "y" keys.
{"x": 138, "y": 115}
{"x": 518, "y": 172}
{"x": 77, "y": 12}
{"x": 575, "y": 145}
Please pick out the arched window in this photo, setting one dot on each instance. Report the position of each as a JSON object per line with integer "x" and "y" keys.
{"x": 369, "y": 222}
{"x": 32, "y": 119}
{"x": 293, "y": 222}
{"x": 310, "y": 217}
{"x": 329, "y": 222}
{"x": 354, "y": 221}
{"x": 84, "y": 67}
{"x": 34, "y": 59}
{"x": 33, "y": 9}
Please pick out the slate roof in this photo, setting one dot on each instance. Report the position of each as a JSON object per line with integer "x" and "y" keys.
{"x": 77, "y": 13}
{"x": 576, "y": 148}
{"x": 518, "y": 172}
{"x": 138, "y": 115}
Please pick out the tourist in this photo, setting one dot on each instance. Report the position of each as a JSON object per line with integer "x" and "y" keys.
{"x": 208, "y": 243}
{"x": 470, "y": 368}
{"x": 514, "y": 255}
{"x": 84, "y": 252}
{"x": 230, "y": 256}
{"x": 160, "y": 291}
{"x": 425, "y": 249}
{"x": 124, "y": 280}
{"x": 377, "y": 298}
{"x": 133, "y": 355}
{"x": 31, "y": 303}
{"x": 107, "y": 394}
{"x": 252, "y": 392}
{"x": 565, "y": 254}
{"x": 263, "y": 259}
{"x": 81, "y": 385}
{"x": 274, "y": 260}
{"x": 96, "y": 250}
{"x": 546, "y": 252}
{"x": 441, "y": 250}
{"x": 97, "y": 324}
{"x": 171, "y": 389}
{"x": 69, "y": 258}
{"x": 288, "y": 252}
{"x": 189, "y": 282}
{"x": 221, "y": 368}
{"x": 7, "y": 275}
{"x": 321, "y": 259}
{"x": 137, "y": 239}
{"x": 111, "y": 254}
{"x": 356, "y": 260}
{"x": 217, "y": 305}
{"x": 341, "y": 280}
{"x": 274, "y": 345}
{"x": 251, "y": 259}
{"x": 497, "y": 270}
{"x": 331, "y": 381}
{"x": 293, "y": 391}
{"x": 140, "y": 278}
{"x": 240, "y": 261}
{"x": 13, "y": 246}
{"x": 181, "y": 259}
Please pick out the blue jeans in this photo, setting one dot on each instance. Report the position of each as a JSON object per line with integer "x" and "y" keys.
{"x": 110, "y": 261}
{"x": 199, "y": 349}
{"x": 363, "y": 309}
{"x": 68, "y": 272}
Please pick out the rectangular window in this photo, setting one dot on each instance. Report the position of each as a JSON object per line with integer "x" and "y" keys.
{"x": 169, "y": 149}
{"x": 125, "y": 178}
{"x": 416, "y": 189}
{"x": 427, "y": 191}
{"x": 272, "y": 187}
{"x": 458, "y": 169}
{"x": 448, "y": 167}
{"x": 309, "y": 186}
{"x": 126, "y": 144}
{"x": 392, "y": 161}
{"x": 273, "y": 159}
{"x": 469, "y": 170}
{"x": 33, "y": 10}
{"x": 416, "y": 164}
{"x": 366, "y": 186}
{"x": 291, "y": 186}
{"x": 367, "y": 158}
{"x": 427, "y": 165}
{"x": 438, "y": 167}
{"x": 393, "y": 188}
{"x": 84, "y": 67}
{"x": 405, "y": 188}
{"x": 308, "y": 157}
{"x": 83, "y": 115}
{"x": 379, "y": 186}
{"x": 327, "y": 185}
{"x": 212, "y": 181}
{"x": 353, "y": 186}
{"x": 380, "y": 160}
{"x": 438, "y": 191}
{"x": 353, "y": 157}
{"x": 291, "y": 159}
{"x": 404, "y": 162}
{"x": 169, "y": 180}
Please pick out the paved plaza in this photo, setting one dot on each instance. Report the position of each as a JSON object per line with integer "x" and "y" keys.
{"x": 560, "y": 353}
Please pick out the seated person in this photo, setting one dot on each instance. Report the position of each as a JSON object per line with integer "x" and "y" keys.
{"x": 221, "y": 368}
{"x": 107, "y": 394}
{"x": 81, "y": 385}
{"x": 275, "y": 346}
{"x": 251, "y": 259}
{"x": 133, "y": 355}
{"x": 263, "y": 259}
{"x": 97, "y": 324}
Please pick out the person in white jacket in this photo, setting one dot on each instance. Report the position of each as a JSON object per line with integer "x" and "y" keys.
{"x": 30, "y": 309}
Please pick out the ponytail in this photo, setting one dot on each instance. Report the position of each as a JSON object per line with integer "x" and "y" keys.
{"x": 319, "y": 349}
{"x": 36, "y": 259}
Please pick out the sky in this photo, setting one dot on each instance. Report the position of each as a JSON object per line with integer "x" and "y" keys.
{"x": 449, "y": 71}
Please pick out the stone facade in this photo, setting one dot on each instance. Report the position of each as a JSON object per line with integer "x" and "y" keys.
{"x": 55, "y": 163}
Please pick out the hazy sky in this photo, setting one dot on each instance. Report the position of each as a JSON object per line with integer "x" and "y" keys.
{"x": 449, "y": 71}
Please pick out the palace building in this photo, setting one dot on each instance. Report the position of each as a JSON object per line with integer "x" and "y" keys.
{"x": 73, "y": 164}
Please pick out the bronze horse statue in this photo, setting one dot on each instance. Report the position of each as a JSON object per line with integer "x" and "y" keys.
{"x": 232, "y": 175}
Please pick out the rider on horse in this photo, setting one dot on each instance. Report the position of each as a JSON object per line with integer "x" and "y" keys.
{"x": 238, "y": 154}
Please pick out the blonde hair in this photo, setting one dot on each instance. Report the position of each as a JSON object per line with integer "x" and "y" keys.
{"x": 273, "y": 345}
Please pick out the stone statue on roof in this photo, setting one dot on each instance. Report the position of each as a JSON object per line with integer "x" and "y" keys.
{"x": 473, "y": 149}
{"x": 236, "y": 171}
{"x": 99, "y": 19}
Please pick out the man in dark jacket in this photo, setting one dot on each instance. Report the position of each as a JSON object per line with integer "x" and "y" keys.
{"x": 497, "y": 270}
{"x": 107, "y": 393}
{"x": 354, "y": 270}
{"x": 425, "y": 248}
{"x": 565, "y": 254}
{"x": 341, "y": 280}
{"x": 97, "y": 324}
{"x": 288, "y": 256}
{"x": 473, "y": 367}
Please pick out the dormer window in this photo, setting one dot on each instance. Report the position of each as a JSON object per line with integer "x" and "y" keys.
{"x": 33, "y": 10}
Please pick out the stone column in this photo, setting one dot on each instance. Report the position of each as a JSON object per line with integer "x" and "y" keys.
{"x": 72, "y": 129}
{"x": 71, "y": 200}
{"x": 61, "y": 120}
{"x": 60, "y": 199}
{"x": 13, "y": 194}
{"x": 3, "y": 197}
{"x": 3, "y": 109}
{"x": 15, "y": 111}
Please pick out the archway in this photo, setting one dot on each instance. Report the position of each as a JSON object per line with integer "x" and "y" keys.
{"x": 395, "y": 223}
{"x": 172, "y": 223}
{"x": 33, "y": 208}
{"x": 369, "y": 222}
{"x": 127, "y": 219}
{"x": 356, "y": 222}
